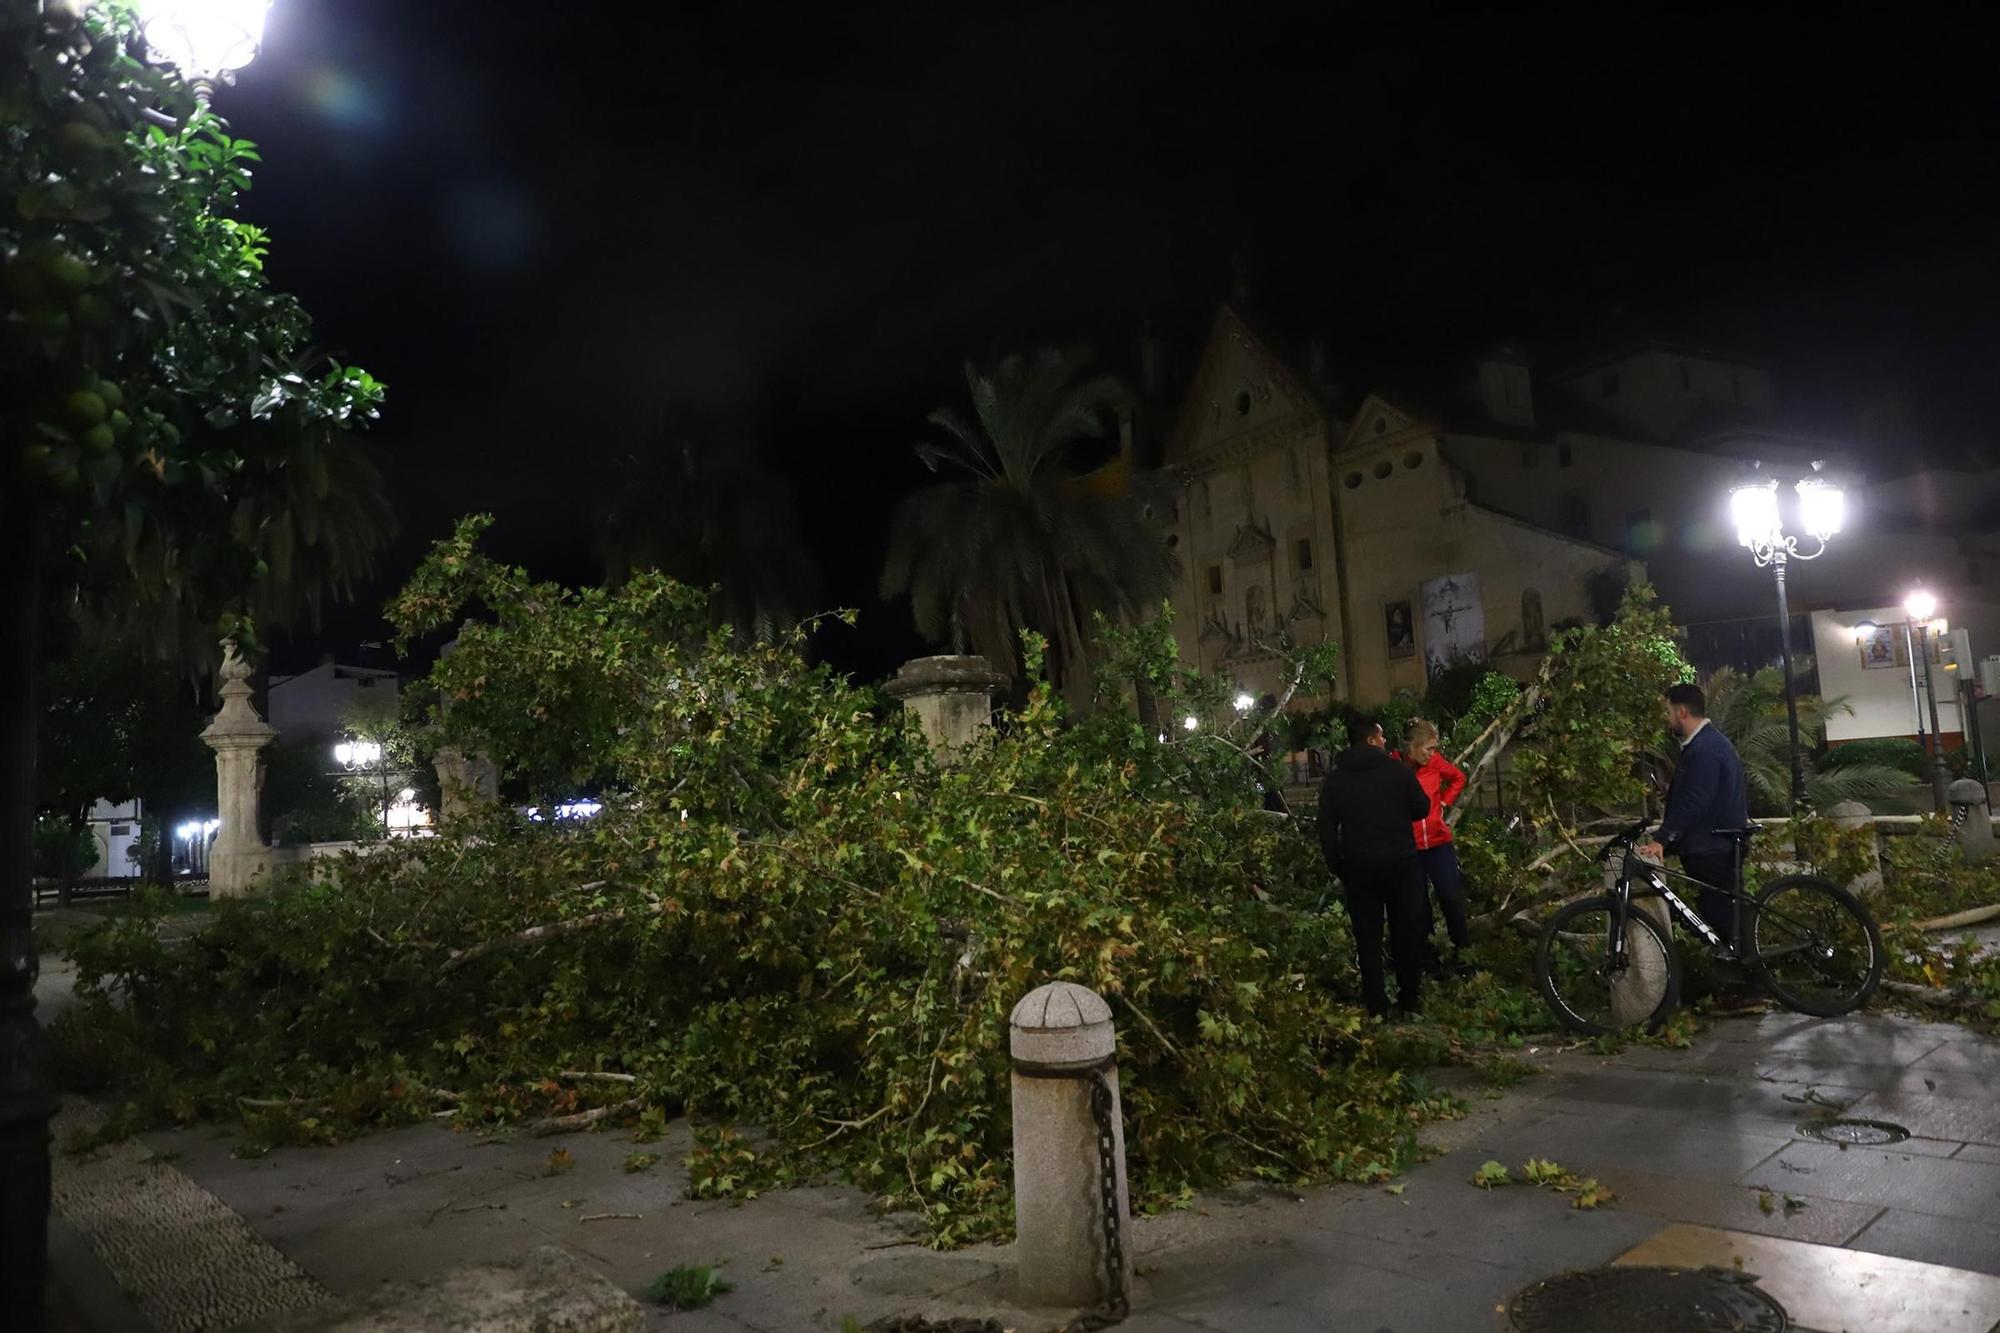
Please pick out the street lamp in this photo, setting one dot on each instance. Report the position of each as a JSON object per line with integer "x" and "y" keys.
{"x": 1822, "y": 511}
{"x": 1921, "y": 606}
{"x": 206, "y": 40}
{"x": 366, "y": 757}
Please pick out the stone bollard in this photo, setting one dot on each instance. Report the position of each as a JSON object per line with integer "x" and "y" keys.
{"x": 1974, "y": 818}
{"x": 951, "y": 696}
{"x": 239, "y": 857}
{"x": 1849, "y": 815}
{"x": 1635, "y": 992}
{"x": 1070, "y": 1221}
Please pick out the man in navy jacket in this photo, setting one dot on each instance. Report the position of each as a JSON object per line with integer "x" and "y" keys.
{"x": 1707, "y": 794}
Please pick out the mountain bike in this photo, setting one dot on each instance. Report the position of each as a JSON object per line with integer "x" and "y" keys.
{"x": 1604, "y": 965}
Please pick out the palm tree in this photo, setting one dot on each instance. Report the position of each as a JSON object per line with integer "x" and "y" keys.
{"x": 1013, "y": 542}
{"x": 695, "y": 503}
{"x": 1750, "y": 710}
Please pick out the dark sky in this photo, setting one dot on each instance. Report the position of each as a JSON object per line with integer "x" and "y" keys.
{"x": 538, "y": 222}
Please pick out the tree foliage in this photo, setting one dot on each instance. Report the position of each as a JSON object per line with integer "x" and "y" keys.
{"x": 1013, "y": 541}
{"x": 188, "y": 454}
{"x": 786, "y": 914}
{"x": 1750, "y": 710}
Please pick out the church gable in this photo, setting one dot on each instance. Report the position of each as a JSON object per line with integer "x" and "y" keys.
{"x": 1240, "y": 386}
{"x": 1377, "y": 418}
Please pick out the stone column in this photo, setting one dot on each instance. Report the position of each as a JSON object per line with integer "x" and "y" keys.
{"x": 1062, "y": 1041}
{"x": 1850, "y": 815}
{"x": 951, "y": 696}
{"x": 1975, "y": 826}
{"x": 238, "y": 858}
{"x": 469, "y": 782}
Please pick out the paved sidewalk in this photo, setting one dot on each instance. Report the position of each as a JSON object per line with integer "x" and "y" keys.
{"x": 1710, "y": 1137}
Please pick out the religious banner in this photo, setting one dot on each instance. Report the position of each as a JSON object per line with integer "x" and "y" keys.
{"x": 1454, "y": 621}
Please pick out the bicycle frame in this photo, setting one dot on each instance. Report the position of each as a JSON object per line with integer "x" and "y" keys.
{"x": 1654, "y": 879}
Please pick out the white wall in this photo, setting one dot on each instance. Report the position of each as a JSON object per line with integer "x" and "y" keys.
{"x": 309, "y": 706}
{"x": 1882, "y": 700}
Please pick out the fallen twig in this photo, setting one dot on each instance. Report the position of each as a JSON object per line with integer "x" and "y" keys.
{"x": 607, "y": 1217}
{"x": 460, "y": 957}
{"x": 558, "y": 1124}
{"x": 269, "y": 1103}
{"x": 601, "y": 1075}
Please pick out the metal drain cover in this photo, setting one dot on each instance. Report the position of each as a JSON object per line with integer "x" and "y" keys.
{"x": 1854, "y": 1133}
{"x": 1648, "y": 1300}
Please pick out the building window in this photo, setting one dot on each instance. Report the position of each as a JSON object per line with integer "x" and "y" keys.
{"x": 1608, "y": 386}
{"x": 1303, "y": 552}
{"x": 1353, "y": 480}
{"x": 1242, "y": 402}
{"x": 1381, "y": 425}
{"x": 1383, "y": 469}
{"x": 1564, "y": 455}
{"x": 1687, "y": 380}
{"x": 1413, "y": 460}
{"x": 1215, "y": 580}
{"x": 1573, "y": 514}
{"x": 1641, "y": 533}
{"x": 1534, "y": 635}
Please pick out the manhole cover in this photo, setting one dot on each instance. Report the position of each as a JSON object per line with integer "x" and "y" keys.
{"x": 1648, "y": 1300}
{"x": 1854, "y": 1133}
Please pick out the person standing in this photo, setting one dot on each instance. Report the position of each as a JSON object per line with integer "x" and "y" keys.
{"x": 1442, "y": 781}
{"x": 1367, "y": 807}
{"x": 1708, "y": 793}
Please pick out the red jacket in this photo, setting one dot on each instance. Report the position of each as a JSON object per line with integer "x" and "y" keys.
{"x": 1442, "y": 781}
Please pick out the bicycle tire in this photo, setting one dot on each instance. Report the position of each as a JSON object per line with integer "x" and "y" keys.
{"x": 1565, "y": 1013}
{"x": 1848, "y": 999}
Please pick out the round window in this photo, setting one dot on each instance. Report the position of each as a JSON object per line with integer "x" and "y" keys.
{"x": 1413, "y": 459}
{"x": 1353, "y": 479}
{"x": 1384, "y": 468}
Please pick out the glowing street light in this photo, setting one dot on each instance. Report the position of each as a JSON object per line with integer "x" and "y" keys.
{"x": 1921, "y": 606}
{"x": 206, "y": 40}
{"x": 367, "y": 757}
{"x": 1760, "y": 529}
{"x": 1190, "y": 723}
{"x": 1245, "y": 702}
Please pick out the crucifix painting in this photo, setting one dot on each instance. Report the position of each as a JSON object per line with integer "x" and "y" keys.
{"x": 1454, "y": 621}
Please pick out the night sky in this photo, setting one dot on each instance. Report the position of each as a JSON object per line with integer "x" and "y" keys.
{"x": 539, "y": 222}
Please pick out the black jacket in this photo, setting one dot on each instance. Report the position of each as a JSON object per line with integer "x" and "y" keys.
{"x": 1708, "y": 794}
{"x": 1366, "y": 808}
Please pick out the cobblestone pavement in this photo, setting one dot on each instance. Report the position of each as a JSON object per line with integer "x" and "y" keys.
{"x": 1714, "y": 1136}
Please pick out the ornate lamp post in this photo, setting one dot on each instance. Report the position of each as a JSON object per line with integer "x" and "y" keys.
{"x": 1921, "y": 607}
{"x": 1760, "y": 528}
{"x": 367, "y": 757}
{"x": 206, "y": 40}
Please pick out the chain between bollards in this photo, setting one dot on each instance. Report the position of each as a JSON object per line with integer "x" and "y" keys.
{"x": 1117, "y": 1304}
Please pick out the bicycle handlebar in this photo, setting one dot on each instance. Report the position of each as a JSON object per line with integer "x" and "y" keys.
{"x": 1623, "y": 838}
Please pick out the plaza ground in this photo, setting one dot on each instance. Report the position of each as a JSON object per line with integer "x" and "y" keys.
{"x": 1707, "y": 1150}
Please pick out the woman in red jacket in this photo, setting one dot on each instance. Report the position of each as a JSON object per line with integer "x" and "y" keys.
{"x": 1442, "y": 781}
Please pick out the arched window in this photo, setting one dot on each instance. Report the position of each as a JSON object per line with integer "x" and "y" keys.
{"x": 1534, "y": 635}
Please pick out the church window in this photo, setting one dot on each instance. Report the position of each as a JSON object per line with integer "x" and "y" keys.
{"x": 1383, "y": 469}
{"x": 1242, "y": 402}
{"x": 1534, "y": 635}
{"x": 1352, "y": 480}
{"x": 1215, "y": 580}
{"x": 1304, "y": 553}
{"x": 1413, "y": 460}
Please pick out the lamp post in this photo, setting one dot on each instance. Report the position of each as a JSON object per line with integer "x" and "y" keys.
{"x": 1921, "y": 607}
{"x": 1822, "y": 510}
{"x": 207, "y": 40}
{"x": 367, "y": 757}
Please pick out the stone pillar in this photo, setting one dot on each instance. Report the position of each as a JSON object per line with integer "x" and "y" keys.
{"x": 1850, "y": 815}
{"x": 1975, "y": 819}
{"x": 1636, "y": 992}
{"x": 951, "y": 696}
{"x": 238, "y": 858}
{"x": 1062, "y": 1041}
{"x": 469, "y": 782}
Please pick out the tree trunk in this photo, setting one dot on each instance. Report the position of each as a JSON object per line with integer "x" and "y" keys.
{"x": 25, "y": 1101}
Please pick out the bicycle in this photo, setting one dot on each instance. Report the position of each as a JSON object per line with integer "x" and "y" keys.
{"x": 1603, "y": 967}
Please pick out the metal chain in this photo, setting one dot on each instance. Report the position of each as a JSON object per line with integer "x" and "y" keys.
{"x": 1117, "y": 1304}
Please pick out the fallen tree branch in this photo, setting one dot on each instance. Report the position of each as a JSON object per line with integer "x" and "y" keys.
{"x": 600, "y": 1075}
{"x": 560, "y": 1124}
{"x": 458, "y": 958}
{"x": 607, "y": 1217}
{"x": 269, "y": 1103}
{"x": 1936, "y": 996}
{"x": 1970, "y": 917}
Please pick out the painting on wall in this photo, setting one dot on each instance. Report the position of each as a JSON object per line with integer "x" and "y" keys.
{"x": 1454, "y": 621}
{"x": 1882, "y": 648}
{"x": 1402, "y": 630}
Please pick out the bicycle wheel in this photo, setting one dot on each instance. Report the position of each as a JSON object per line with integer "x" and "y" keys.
{"x": 1573, "y": 969}
{"x": 1815, "y": 945}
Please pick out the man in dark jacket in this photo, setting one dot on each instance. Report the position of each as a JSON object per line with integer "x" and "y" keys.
{"x": 1707, "y": 794}
{"x": 1366, "y": 808}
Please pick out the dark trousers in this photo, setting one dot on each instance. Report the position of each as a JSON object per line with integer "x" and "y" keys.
{"x": 1391, "y": 891}
{"x": 1716, "y": 869}
{"x": 1448, "y": 888}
